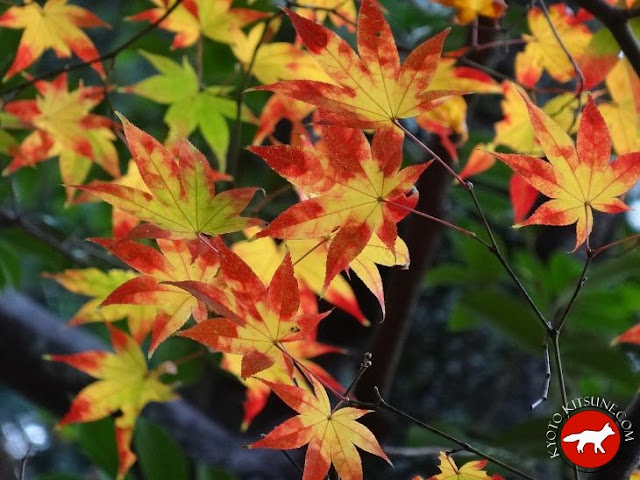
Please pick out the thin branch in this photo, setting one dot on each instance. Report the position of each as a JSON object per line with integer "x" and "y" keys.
{"x": 463, "y": 445}
{"x": 113, "y": 53}
{"x": 492, "y": 245}
{"x": 579, "y": 284}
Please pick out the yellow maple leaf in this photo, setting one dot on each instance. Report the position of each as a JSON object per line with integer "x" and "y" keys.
{"x": 55, "y": 25}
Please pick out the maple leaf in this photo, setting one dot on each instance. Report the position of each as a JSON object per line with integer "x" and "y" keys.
{"x": 544, "y": 52}
{"x": 257, "y": 320}
{"x": 124, "y": 384}
{"x": 177, "y": 260}
{"x": 468, "y": 10}
{"x": 370, "y": 90}
{"x": 354, "y": 199}
{"x": 275, "y": 61}
{"x": 182, "y": 202}
{"x": 215, "y": 19}
{"x": 342, "y": 13}
{"x": 55, "y": 25}
{"x": 469, "y": 471}
{"x": 64, "y": 127}
{"x": 97, "y": 284}
{"x": 622, "y": 114}
{"x": 190, "y": 107}
{"x": 332, "y": 435}
{"x": 576, "y": 178}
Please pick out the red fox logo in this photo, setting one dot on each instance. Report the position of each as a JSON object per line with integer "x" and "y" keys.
{"x": 590, "y": 436}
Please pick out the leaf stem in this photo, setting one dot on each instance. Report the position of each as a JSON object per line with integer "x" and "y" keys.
{"x": 464, "y": 231}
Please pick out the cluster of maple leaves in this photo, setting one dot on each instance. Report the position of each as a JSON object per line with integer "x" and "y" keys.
{"x": 353, "y": 191}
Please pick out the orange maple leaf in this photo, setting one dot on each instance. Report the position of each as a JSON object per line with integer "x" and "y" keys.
{"x": 124, "y": 385}
{"x": 469, "y": 471}
{"x": 332, "y": 434}
{"x": 55, "y": 25}
{"x": 64, "y": 127}
{"x": 177, "y": 260}
{"x": 182, "y": 202}
{"x": 257, "y": 320}
{"x": 577, "y": 178}
{"x": 371, "y": 90}
{"x": 360, "y": 190}
{"x": 215, "y": 19}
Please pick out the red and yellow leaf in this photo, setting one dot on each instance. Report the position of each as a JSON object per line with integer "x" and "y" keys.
{"x": 177, "y": 260}
{"x": 258, "y": 320}
{"x": 359, "y": 190}
{"x": 576, "y": 178}
{"x": 124, "y": 384}
{"x": 372, "y": 89}
{"x": 54, "y": 25}
{"x": 332, "y": 435}
{"x": 214, "y": 19}
{"x": 64, "y": 127}
{"x": 97, "y": 284}
{"x": 182, "y": 202}
{"x": 622, "y": 114}
{"x": 543, "y": 51}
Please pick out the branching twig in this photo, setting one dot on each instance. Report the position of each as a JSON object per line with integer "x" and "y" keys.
{"x": 382, "y": 404}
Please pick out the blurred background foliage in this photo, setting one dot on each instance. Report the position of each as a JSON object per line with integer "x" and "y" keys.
{"x": 474, "y": 363}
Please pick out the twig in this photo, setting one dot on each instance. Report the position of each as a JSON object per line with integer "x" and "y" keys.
{"x": 597, "y": 251}
{"x": 579, "y": 284}
{"x": 463, "y": 445}
{"x": 292, "y": 461}
{"x": 547, "y": 380}
{"x": 113, "y": 53}
{"x": 23, "y": 463}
